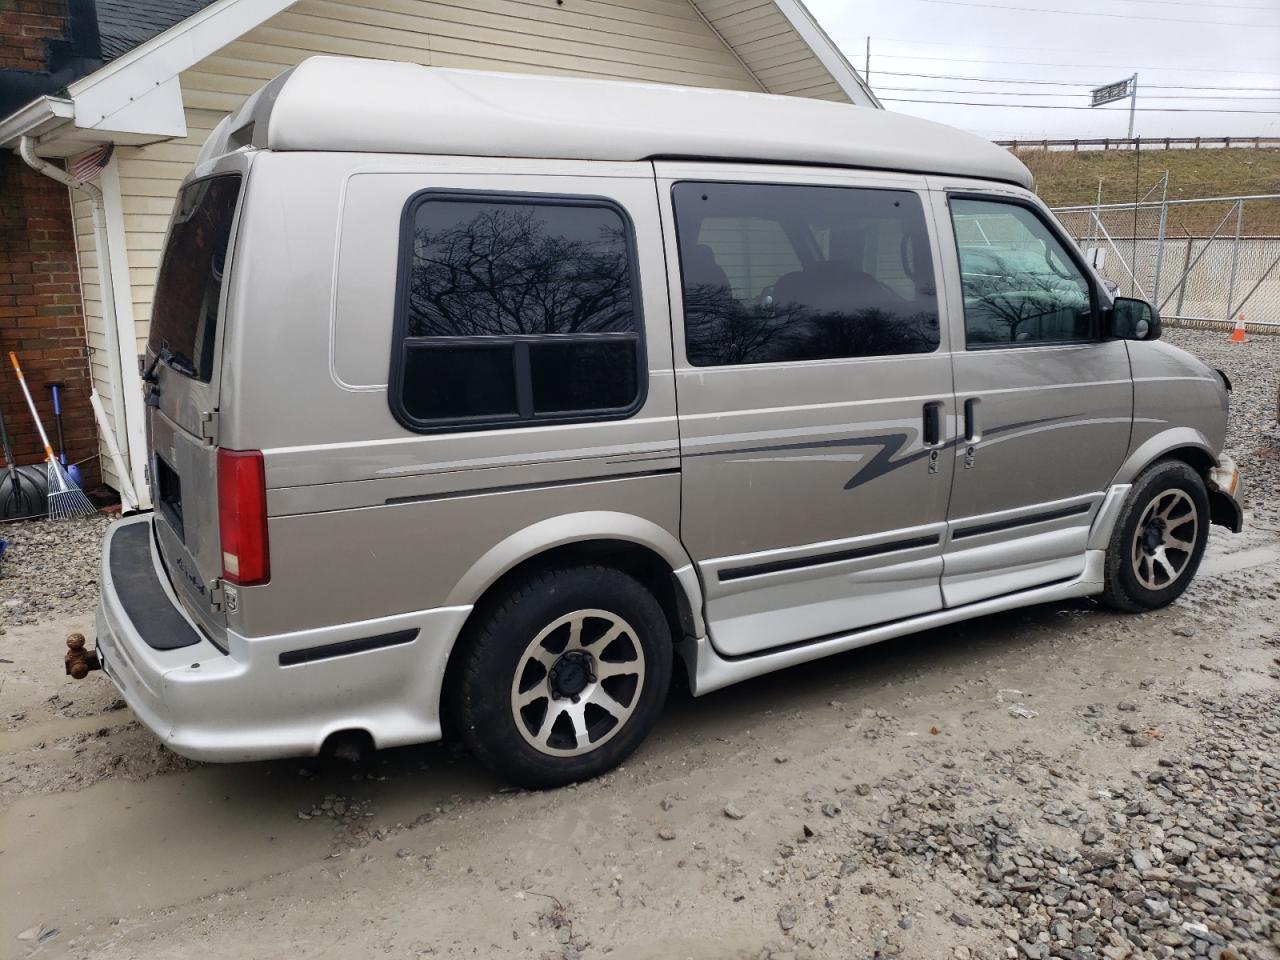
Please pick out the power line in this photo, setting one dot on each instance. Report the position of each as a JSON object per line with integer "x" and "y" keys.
{"x": 1183, "y": 86}
{"x": 1037, "y": 106}
{"x": 1024, "y": 47}
{"x": 1113, "y": 16}
{"x": 1056, "y": 83}
{"x": 1075, "y": 66}
{"x": 1200, "y": 4}
{"x": 1031, "y": 93}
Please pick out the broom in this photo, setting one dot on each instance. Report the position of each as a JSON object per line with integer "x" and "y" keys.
{"x": 66, "y": 500}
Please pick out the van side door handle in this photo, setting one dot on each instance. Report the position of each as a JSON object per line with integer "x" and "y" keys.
{"x": 932, "y": 423}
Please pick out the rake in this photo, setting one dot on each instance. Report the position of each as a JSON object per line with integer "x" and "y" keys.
{"x": 66, "y": 500}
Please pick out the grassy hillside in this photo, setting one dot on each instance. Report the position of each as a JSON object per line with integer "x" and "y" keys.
{"x": 1064, "y": 178}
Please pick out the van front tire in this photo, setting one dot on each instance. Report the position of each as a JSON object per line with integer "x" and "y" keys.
{"x": 562, "y": 676}
{"x": 1159, "y": 538}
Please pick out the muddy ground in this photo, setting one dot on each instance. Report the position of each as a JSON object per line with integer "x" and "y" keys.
{"x": 1059, "y": 781}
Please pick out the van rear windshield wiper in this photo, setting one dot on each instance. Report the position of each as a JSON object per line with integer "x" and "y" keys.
{"x": 149, "y": 374}
{"x": 170, "y": 359}
{"x": 180, "y": 363}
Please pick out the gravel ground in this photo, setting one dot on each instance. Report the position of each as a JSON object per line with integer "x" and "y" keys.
{"x": 50, "y": 568}
{"x": 1180, "y": 858}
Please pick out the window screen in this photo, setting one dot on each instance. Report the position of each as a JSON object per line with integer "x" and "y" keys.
{"x": 774, "y": 273}
{"x": 184, "y": 311}
{"x": 1020, "y": 285}
{"x": 516, "y": 309}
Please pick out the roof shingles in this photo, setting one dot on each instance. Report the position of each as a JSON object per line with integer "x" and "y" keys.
{"x": 125, "y": 24}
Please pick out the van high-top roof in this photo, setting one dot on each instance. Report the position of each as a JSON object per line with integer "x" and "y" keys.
{"x": 374, "y": 106}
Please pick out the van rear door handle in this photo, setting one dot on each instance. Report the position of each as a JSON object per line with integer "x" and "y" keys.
{"x": 971, "y": 433}
{"x": 932, "y": 423}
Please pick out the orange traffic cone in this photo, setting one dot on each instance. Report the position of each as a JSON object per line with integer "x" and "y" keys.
{"x": 1238, "y": 334}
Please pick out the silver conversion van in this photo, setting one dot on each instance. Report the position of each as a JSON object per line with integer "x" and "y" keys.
{"x": 480, "y": 401}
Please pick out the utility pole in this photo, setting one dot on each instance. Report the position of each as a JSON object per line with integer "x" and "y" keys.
{"x": 866, "y": 72}
{"x": 1133, "y": 98}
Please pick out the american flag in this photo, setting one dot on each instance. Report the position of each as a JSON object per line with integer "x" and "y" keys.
{"x": 89, "y": 166}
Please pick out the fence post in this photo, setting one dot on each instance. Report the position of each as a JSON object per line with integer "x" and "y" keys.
{"x": 1164, "y": 216}
{"x": 1235, "y": 257}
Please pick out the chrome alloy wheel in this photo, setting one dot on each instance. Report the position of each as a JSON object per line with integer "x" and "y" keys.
{"x": 577, "y": 683}
{"x": 1165, "y": 539}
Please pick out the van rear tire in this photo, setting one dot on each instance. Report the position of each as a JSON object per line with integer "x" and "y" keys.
{"x": 1159, "y": 538}
{"x": 562, "y": 676}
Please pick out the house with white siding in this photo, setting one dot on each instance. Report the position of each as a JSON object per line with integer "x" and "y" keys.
{"x": 172, "y": 69}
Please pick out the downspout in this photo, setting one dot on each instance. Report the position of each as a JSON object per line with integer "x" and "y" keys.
{"x": 27, "y": 150}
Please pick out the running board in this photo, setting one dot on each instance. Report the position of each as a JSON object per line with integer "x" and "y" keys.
{"x": 709, "y": 671}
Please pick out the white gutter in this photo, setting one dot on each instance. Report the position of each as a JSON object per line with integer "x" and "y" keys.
{"x": 27, "y": 150}
{"x": 35, "y": 118}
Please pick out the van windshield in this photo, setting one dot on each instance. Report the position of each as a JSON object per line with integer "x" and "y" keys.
{"x": 184, "y": 314}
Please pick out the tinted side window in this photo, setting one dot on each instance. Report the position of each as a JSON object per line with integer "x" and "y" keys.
{"x": 184, "y": 310}
{"x": 775, "y": 272}
{"x": 1020, "y": 285}
{"x": 515, "y": 309}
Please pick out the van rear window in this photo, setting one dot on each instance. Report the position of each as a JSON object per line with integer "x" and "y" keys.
{"x": 184, "y": 311}
{"x": 515, "y": 309}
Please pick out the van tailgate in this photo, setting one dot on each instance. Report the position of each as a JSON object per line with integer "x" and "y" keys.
{"x": 184, "y": 485}
{"x": 183, "y": 349}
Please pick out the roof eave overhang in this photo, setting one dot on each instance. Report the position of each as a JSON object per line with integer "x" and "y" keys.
{"x": 105, "y": 93}
{"x": 136, "y": 98}
{"x": 55, "y": 124}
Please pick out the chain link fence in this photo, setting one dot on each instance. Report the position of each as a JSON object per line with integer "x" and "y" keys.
{"x": 1200, "y": 261}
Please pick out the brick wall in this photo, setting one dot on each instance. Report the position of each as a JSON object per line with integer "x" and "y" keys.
{"x": 24, "y": 27}
{"x": 41, "y": 314}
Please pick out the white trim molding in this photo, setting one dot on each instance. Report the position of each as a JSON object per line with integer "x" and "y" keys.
{"x": 825, "y": 49}
{"x": 125, "y": 332}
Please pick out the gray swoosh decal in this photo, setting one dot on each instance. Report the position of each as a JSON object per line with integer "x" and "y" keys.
{"x": 883, "y": 462}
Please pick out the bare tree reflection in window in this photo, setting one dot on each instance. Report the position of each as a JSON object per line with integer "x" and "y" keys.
{"x": 1024, "y": 307}
{"x": 1020, "y": 285}
{"x": 505, "y": 271}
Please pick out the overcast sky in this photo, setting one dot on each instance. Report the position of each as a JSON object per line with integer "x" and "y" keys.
{"x": 1183, "y": 46}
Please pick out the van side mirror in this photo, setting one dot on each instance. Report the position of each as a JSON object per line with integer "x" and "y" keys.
{"x": 1131, "y": 319}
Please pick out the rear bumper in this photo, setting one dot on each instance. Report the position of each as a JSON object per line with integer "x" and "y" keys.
{"x": 1226, "y": 495}
{"x": 274, "y": 696}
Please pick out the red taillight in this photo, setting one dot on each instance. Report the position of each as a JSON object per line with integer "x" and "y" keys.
{"x": 242, "y": 517}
